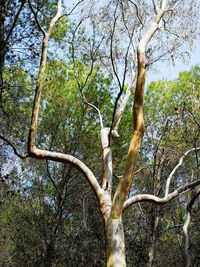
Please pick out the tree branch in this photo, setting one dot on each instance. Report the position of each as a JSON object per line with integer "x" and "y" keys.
{"x": 39, "y": 83}
{"x": 107, "y": 159}
{"x": 33, "y": 152}
{"x": 115, "y": 75}
{"x": 119, "y": 113}
{"x": 157, "y": 200}
{"x": 138, "y": 121}
{"x": 35, "y": 16}
{"x": 15, "y": 21}
{"x": 116, "y": 118}
{"x": 75, "y": 6}
{"x": 20, "y": 155}
{"x": 76, "y": 163}
{"x": 185, "y": 227}
{"x": 155, "y": 6}
{"x": 137, "y": 11}
{"x": 176, "y": 168}
{"x": 167, "y": 197}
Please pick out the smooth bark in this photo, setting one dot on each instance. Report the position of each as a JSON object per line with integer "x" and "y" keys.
{"x": 186, "y": 226}
{"x": 115, "y": 244}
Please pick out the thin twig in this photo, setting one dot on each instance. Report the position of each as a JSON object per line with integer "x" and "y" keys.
{"x": 15, "y": 21}
{"x": 20, "y": 155}
{"x": 36, "y": 19}
{"x": 137, "y": 11}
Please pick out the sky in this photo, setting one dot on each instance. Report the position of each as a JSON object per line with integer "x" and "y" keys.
{"x": 167, "y": 71}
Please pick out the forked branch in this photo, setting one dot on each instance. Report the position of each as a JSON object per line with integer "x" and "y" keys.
{"x": 33, "y": 151}
{"x": 138, "y": 120}
{"x": 177, "y": 167}
{"x": 160, "y": 200}
{"x": 168, "y": 196}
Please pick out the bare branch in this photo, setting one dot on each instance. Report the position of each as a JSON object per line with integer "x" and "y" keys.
{"x": 175, "y": 6}
{"x": 138, "y": 122}
{"x": 176, "y": 168}
{"x": 82, "y": 86}
{"x": 186, "y": 237}
{"x": 157, "y": 200}
{"x": 15, "y": 21}
{"x": 137, "y": 11}
{"x": 116, "y": 120}
{"x": 107, "y": 158}
{"x": 72, "y": 161}
{"x": 33, "y": 152}
{"x": 98, "y": 111}
{"x": 167, "y": 197}
{"x": 119, "y": 113}
{"x": 155, "y": 6}
{"x": 39, "y": 84}
{"x": 20, "y": 155}
{"x": 168, "y": 52}
{"x": 75, "y": 6}
{"x": 111, "y": 50}
{"x": 35, "y": 16}
{"x": 56, "y": 17}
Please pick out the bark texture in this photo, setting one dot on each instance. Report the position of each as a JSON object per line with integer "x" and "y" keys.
{"x": 115, "y": 245}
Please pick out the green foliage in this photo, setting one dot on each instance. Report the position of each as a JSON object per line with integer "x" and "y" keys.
{"x": 16, "y": 102}
{"x": 172, "y": 108}
{"x": 60, "y": 29}
{"x": 68, "y": 125}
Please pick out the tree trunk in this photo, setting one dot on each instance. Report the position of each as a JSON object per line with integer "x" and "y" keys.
{"x": 115, "y": 243}
{"x": 49, "y": 256}
{"x": 3, "y": 7}
{"x": 151, "y": 252}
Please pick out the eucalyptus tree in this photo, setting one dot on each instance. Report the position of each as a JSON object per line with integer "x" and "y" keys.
{"x": 127, "y": 38}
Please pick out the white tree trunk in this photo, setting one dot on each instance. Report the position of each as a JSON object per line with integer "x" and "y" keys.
{"x": 115, "y": 244}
